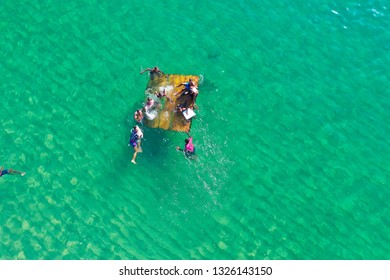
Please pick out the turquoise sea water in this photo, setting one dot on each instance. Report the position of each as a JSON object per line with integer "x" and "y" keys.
{"x": 292, "y": 133}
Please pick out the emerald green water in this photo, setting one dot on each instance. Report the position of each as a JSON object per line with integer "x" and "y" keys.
{"x": 292, "y": 133}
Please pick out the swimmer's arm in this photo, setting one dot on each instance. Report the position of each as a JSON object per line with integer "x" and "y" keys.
{"x": 147, "y": 69}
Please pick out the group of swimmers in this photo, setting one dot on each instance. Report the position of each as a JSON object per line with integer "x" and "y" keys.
{"x": 136, "y": 133}
{"x": 191, "y": 90}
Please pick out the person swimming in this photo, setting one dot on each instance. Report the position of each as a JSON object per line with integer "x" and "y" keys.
{"x": 153, "y": 71}
{"x": 162, "y": 94}
{"x": 189, "y": 148}
{"x": 10, "y": 172}
{"x": 150, "y": 108}
{"x": 138, "y": 116}
{"x": 149, "y": 104}
{"x": 135, "y": 141}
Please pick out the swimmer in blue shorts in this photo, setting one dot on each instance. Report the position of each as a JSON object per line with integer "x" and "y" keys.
{"x": 135, "y": 141}
{"x": 10, "y": 172}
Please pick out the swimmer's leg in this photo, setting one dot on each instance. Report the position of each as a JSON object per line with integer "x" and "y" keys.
{"x": 134, "y": 156}
{"x": 12, "y": 171}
